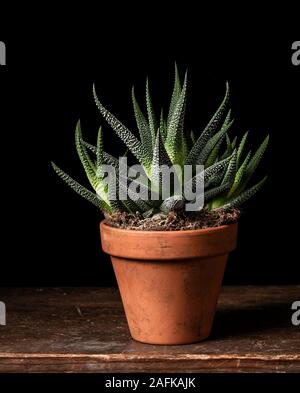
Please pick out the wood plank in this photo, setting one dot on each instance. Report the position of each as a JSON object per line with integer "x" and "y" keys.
{"x": 84, "y": 330}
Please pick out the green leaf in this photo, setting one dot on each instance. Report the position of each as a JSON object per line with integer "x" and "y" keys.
{"x": 87, "y": 163}
{"x": 133, "y": 206}
{"x": 175, "y": 95}
{"x": 193, "y": 139}
{"x": 163, "y": 126}
{"x": 242, "y": 198}
{"x": 239, "y": 176}
{"x": 142, "y": 125}
{"x": 82, "y": 191}
{"x": 204, "y": 154}
{"x": 185, "y": 148}
{"x": 214, "y": 192}
{"x": 134, "y": 196}
{"x": 210, "y": 130}
{"x": 188, "y": 141}
{"x": 231, "y": 170}
{"x": 214, "y": 153}
{"x": 133, "y": 144}
{"x": 215, "y": 180}
{"x": 151, "y": 115}
{"x": 233, "y": 144}
{"x": 99, "y": 151}
{"x": 89, "y": 146}
{"x": 160, "y": 157}
{"x": 227, "y": 179}
{"x": 251, "y": 167}
{"x": 241, "y": 149}
{"x": 108, "y": 158}
{"x": 142, "y": 205}
{"x": 228, "y": 150}
{"x": 174, "y": 142}
{"x": 228, "y": 144}
{"x": 113, "y": 193}
{"x": 216, "y": 169}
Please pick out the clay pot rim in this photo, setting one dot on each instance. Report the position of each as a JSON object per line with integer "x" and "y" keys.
{"x": 170, "y": 233}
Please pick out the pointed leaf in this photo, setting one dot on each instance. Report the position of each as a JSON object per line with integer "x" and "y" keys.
{"x": 175, "y": 95}
{"x": 89, "y": 146}
{"x": 142, "y": 204}
{"x": 151, "y": 115}
{"x": 142, "y": 125}
{"x": 209, "y": 174}
{"x": 193, "y": 139}
{"x": 185, "y": 147}
{"x": 174, "y": 142}
{"x": 251, "y": 167}
{"x": 131, "y": 206}
{"x": 163, "y": 126}
{"x": 231, "y": 170}
{"x": 215, "y": 180}
{"x": 108, "y": 158}
{"x": 233, "y": 144}
{"x": 210, "y": 129}
{"x": 216, "y": 168}
{"x": 202, "y": 157}
{"x": 214, "y": 192}
{"x": 160, "y": 157}
{"x": 82, "y": 191}
{"x": 238, "y": 201}
{"x": 113, "y": 193}
{"x": 239, "y": 176}
{"x": 215, "y": 152}
{"x": 241, "y": 149}
{"x": 85, "y": 159}
{"x": 100, "y": 152}
{"x": 133, "y": 144}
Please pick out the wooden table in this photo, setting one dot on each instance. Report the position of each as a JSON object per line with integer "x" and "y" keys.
{"x": 84, "y": 330}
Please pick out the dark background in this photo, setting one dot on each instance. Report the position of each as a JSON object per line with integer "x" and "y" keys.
{"x": 50, "y": 236}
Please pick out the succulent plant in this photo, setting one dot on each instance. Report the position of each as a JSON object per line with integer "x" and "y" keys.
{"x": 228, "y": 169}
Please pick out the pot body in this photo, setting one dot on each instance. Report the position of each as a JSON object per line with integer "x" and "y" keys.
{"x": 169, "y": 281}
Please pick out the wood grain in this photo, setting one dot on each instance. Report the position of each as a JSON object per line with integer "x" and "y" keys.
{"x": 84, "y": 330}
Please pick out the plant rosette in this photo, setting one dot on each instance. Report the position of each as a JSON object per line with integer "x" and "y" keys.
{"x": 168, "y": 258}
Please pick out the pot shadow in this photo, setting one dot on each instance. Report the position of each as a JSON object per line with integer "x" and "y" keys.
{"x": 244, "y": 321}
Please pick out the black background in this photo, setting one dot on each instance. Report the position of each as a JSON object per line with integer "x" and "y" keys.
{"x": 50, "y": 236}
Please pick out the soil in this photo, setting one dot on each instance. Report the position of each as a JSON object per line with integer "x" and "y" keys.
{"x": 174, "y": 221}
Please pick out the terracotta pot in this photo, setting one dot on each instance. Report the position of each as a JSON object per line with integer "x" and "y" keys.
{"x": 169, "y": 281}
